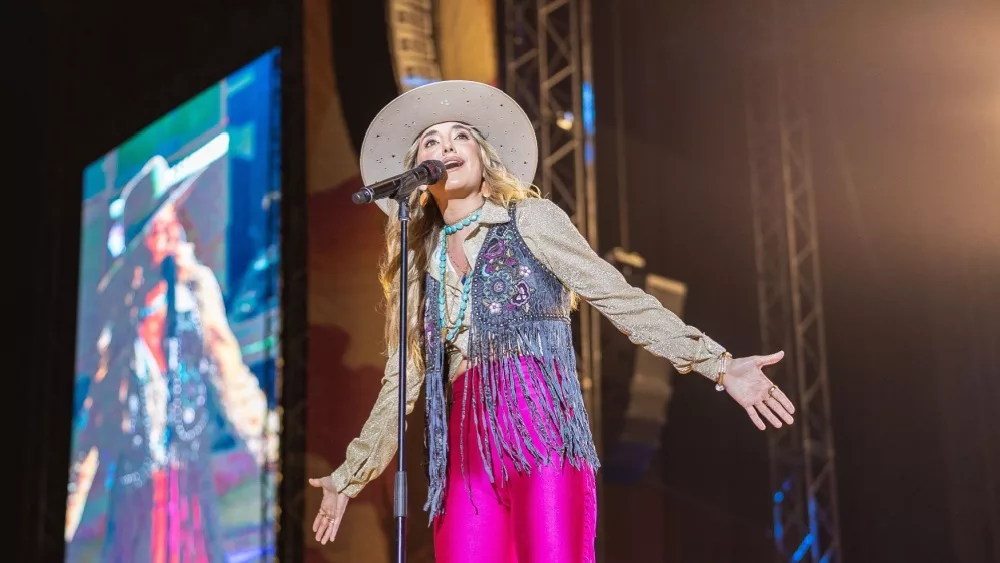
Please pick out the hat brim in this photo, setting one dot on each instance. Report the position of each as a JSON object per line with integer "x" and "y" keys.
{"x": 490, "y": 110}
{"x": 134, "y": 236}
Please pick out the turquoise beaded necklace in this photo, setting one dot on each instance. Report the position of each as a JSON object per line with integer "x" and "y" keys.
{"x": 450, "y": 335}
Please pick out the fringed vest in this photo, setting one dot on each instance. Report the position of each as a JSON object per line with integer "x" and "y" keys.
{"x": 519, "y": 308}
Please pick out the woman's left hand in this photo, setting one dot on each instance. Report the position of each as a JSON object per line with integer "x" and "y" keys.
{"x": 746, "y": 383}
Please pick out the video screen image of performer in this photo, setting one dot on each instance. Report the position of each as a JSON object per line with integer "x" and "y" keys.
{"x": 494, "y": 273}
{"x": 175, "y": 437}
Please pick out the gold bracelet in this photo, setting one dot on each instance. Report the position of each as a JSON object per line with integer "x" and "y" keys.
{"x": 722, "y": 371}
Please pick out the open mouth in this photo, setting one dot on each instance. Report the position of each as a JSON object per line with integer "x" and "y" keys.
{"x": 453, "y": 164}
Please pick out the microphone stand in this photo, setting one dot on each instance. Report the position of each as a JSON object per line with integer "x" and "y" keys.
{"x": 403, "y": 186}
{"x": 400, "y": 491}
{"x": 169, "y": 271}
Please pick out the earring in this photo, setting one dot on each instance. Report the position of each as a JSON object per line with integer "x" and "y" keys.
{"x": 485, "y": 190}
{"x": 423, "y": 199}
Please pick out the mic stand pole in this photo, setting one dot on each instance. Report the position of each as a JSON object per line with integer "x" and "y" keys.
{"x": 169, "y": 271}
{"x": 400, "y": 491}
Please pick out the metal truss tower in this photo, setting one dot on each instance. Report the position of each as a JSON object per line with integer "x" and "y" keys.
{"x": 806, "y": 521}
{"x": 547, "y": 70}
{"x": 547, "y": 64}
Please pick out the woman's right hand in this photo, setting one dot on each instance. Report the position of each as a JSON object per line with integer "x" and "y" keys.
{"x": 331, "y": 510}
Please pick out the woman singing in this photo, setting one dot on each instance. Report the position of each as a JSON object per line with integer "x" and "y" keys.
{"x": 494, "y": 272}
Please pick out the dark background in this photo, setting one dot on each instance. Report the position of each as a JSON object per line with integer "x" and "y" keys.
{"x": 905, "y": 108}
{"x": 906, "y": 118}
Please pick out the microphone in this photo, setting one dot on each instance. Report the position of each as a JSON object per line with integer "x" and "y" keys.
{"x": 426, "y": 173}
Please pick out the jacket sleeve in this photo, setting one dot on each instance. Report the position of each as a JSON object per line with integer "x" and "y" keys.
{"x": 556, "y": 242}
{"x": 243, "y": 401}
{"x": 370, "y": 453}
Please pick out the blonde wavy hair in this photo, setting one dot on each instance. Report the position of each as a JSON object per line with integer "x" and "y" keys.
{"x": 501, "y": 188}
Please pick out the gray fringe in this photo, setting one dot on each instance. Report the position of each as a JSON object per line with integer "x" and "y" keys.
{"x": 496, "y": 352}
{"x": 436, "y": 418}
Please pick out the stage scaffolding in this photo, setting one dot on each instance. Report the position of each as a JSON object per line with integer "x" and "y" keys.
{"x": 547, "y": 69}
{"x": 790, "y": 295}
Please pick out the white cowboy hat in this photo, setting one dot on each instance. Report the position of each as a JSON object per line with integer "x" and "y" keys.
{"x": 491, "y": 111}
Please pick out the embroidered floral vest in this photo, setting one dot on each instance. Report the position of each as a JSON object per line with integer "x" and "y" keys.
{"x": 518, "y": 308}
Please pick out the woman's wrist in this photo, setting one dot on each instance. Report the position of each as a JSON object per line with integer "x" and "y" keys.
{"x": 342, "y": 481}
{"x": 721, "y": 368}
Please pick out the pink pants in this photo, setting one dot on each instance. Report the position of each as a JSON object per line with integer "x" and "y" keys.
{"x": 546, "y": 516}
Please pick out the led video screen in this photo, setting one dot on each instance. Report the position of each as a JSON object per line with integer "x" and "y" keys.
{"x": 175, "y": 427}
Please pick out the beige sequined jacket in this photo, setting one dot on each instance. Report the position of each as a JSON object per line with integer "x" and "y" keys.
{"x": 555, "y": 242}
